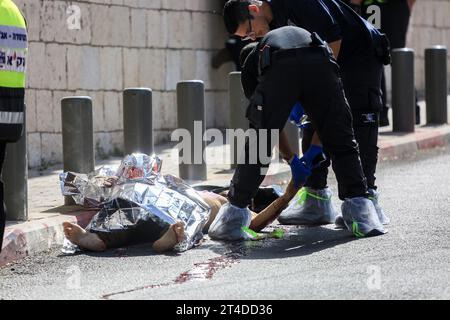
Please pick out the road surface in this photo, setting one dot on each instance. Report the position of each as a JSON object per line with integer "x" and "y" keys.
{"x": 412, "y": 261}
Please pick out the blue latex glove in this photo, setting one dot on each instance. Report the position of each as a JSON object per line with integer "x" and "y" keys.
{"x": 297, "y": 114}
{"x": 313, "y": 154}
{"x": 302, "y": 168}
{"x": 300, "y": 171}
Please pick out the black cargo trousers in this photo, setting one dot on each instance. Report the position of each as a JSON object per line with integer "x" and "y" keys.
{"x": 2, "y": 208}
{"x": 11, "y": 100}
{"x": 362, "y": 84}
{"x": 311, "y": 76}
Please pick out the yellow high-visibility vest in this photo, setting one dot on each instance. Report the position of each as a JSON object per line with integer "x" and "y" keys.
{"x": 13, "y": 46}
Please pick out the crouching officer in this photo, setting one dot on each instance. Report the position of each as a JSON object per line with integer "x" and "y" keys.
{"x": 294, "y": 65}
{"x": 13, "y": 54}
{"x": 360, "y": 51}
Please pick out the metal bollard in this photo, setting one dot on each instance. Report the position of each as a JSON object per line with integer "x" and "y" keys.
{"x": 15, "y": 177}
{"x": 403, "y": 92}
{"x": 78, "y": 136}
{"x": 436, "y": 84}
{"x": 238, "y": 105}
{"x": 191, "y": 116}
{"x": 138, "y": 121}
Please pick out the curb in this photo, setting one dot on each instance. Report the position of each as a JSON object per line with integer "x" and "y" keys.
{"x": 424, "y": 138}
{"x": 24, "y": 239}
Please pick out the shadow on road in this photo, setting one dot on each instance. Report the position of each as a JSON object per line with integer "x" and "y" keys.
{"x": 298, "y": 241}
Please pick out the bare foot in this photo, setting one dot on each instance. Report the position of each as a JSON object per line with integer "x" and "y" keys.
{"x": 86, "y": 240}
{"x": 170, "y": 239}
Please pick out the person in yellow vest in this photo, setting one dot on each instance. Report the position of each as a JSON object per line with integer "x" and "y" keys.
{"x": 13, "y": 61}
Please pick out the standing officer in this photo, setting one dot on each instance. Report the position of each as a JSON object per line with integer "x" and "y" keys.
{"x": 231, "y": 52}
{"x": 361, "y": 52}
{"x": 292, "y": 65}
{"x": 13, "y": 55}
{"x": 394, "y": 16}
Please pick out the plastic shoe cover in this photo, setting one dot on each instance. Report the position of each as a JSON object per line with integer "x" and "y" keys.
{"x": 340, "y": 224}
{"x": 361, "y": 218}
{"x": 309, "y": 207}
{"x": 229, "y": 223}
{"x": 374, "y": 198}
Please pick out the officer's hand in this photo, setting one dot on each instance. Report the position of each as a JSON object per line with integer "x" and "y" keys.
{"x": 302, "y": 168}
{"x": 314, "y": 157}
{"x": 297, "y": 114}
{"x": 300, "y": 171}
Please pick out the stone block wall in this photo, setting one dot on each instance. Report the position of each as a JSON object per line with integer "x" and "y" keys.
{"x": 99, "y": 47}
{"x": 144, "y": 43}
{"x": 429, "y": 25}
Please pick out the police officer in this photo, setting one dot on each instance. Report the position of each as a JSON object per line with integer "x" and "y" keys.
{"x": 13, "y": 55}
{"x": 361, "y": 52}
{"x": 292, "y": 65}
{"x": 231, "y": 52}
{"x": 394, "y": 16}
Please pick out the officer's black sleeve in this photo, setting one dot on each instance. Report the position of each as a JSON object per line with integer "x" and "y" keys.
{"x": 314, "y": 16}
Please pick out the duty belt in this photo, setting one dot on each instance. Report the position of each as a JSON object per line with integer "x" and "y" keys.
{"x": 267, "y": 57}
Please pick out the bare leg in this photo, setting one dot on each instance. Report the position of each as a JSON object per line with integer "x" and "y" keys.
{"x": 268, "y": 215}
{"x": 82, "y": 238}
{"x": 259, "y": 221}
{"x": 170, "y": 239}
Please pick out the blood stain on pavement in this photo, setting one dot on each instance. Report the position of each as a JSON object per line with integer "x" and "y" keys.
{"x": 206, "y": 270}
{"x": 201, "y": 271}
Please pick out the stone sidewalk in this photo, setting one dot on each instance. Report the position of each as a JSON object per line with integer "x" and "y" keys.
{"x": 44, "y": 193}
{"x": 46, "y": 211}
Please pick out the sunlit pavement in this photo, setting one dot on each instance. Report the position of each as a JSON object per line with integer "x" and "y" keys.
{"x": 411, "y": 261}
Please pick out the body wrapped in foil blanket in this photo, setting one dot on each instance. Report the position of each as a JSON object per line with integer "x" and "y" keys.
{"x": 137, "y": 195}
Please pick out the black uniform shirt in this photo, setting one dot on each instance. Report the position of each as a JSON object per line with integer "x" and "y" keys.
{"x": 332, "y": 19}
{"x": 288, "y": 37}
{"x": 312, "y": 15}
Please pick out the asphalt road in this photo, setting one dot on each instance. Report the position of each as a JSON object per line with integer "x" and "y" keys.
{"x": 412, "y": 261}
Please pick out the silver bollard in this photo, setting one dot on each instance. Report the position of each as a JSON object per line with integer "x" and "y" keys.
{"x": 238, "y": 105}
{"x": 403, "y": 92}
{"x": 138, "y": 121}
{"x": 191, "y": 116}
{"x": 78, "y": 136}
{"x": 436, "y": 84}
{"x": 15, "y": 177}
